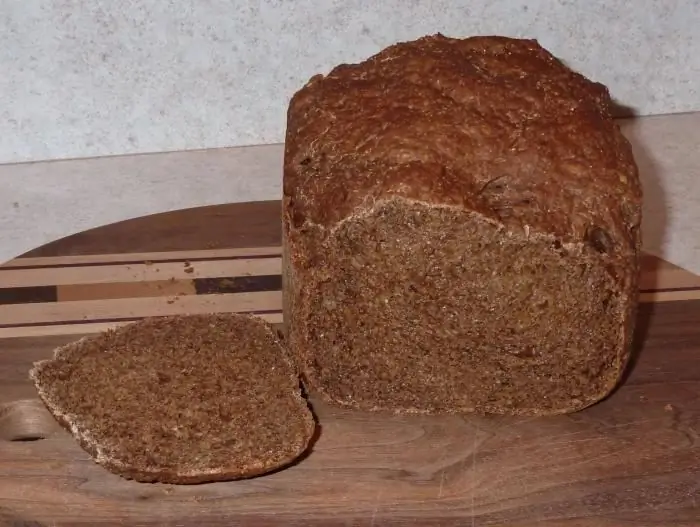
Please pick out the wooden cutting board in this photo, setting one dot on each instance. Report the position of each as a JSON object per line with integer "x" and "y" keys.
{"x": 633, "y": 459}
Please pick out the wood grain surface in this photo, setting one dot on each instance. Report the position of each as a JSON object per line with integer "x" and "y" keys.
{"x": 633, "y": 459}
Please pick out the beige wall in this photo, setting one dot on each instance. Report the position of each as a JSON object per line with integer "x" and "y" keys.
{"x": 103, "y": 77}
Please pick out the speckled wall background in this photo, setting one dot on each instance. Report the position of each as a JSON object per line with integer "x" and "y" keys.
{"x": 102, "y": 77}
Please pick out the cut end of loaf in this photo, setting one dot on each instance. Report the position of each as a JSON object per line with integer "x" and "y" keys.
{"x": 187, "y": 399}
{"x": 432, "y": 309}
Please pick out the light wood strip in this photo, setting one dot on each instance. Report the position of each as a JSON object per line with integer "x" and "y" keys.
{"x": 657, "y": 273}
{"x": 139, "y": 272}
{"x": 669, "y": 296}
{"x": 90, "y": 328}
{"x": 60, "y": 329}
{"x": 48, "y": 261}
{"x": 96, "y": 310}
{"x": 74, "y": 292}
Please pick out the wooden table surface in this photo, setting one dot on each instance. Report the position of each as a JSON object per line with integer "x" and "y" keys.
{"x": 633, "y": 459}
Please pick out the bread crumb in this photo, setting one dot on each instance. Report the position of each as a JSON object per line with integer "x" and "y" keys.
{"x": 642, "y": 398}
{"x": 171, "y": 301}
{"x": 189, "y": 270}
{"x": 669, "y": 408}
{"x": 187, "y": 263}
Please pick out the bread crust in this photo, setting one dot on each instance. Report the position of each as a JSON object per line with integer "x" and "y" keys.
{"x": 489, "y": 125}
{"x": 449, "y": 121}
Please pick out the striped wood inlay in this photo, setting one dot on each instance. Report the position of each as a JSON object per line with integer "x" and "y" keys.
{"x": 139, "y": 272}
{"x": 59, "y": 295}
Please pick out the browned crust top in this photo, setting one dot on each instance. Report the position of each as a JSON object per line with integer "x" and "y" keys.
{"x": 491, "y": 124}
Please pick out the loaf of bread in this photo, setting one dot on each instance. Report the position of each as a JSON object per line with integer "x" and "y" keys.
{"x": 188, "y": 399}
{"x": 461, "y": 231}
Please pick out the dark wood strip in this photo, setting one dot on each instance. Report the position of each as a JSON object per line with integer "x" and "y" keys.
{"x": 171, "y": 287}
{"x": 27, "y": 295}
{"x": 238, "y": 284}
{"x": 139, "y": 262}
{"x": 253, "y": 224}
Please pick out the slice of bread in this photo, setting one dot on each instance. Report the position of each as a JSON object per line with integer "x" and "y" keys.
{"x": 187, "y": 399}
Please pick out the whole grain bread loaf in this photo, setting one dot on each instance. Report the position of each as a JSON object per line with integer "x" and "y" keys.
{"x": 186, "y": 399}
{"x": 461, "y": 231}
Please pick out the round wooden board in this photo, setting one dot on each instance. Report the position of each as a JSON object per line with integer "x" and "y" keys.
{"x": 633, "y": 459}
